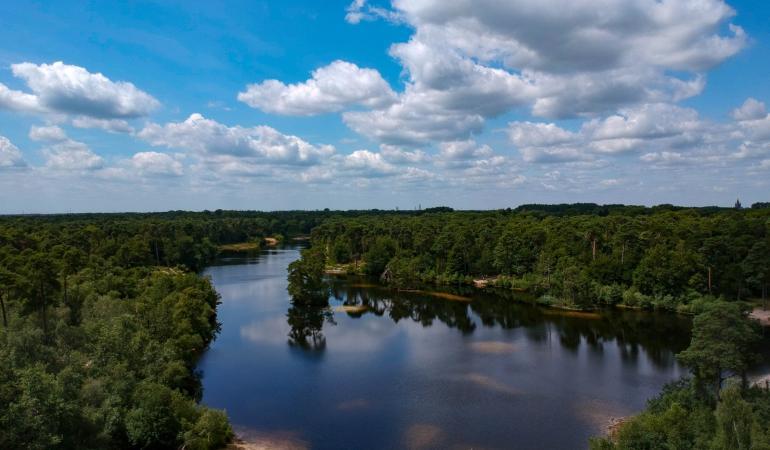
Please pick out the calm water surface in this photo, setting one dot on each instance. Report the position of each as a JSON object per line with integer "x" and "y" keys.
{"x": 384, "y": 370}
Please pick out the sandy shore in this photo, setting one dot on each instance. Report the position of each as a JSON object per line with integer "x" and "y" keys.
{"x": 763, "y": 316}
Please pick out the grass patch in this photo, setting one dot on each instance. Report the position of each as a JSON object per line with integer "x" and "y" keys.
{"x": 240, "y": 247}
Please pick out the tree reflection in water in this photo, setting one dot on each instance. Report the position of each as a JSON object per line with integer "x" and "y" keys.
{"x": 660, "y": 336}
{"x": 306, "y": 320}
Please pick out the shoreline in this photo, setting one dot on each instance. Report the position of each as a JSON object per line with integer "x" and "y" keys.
{"x": 761, "y": 315}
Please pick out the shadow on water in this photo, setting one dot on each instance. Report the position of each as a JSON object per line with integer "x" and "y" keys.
{"x": 659, "y": 335}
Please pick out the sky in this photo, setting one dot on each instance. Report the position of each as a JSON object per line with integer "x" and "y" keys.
{"x": 473, "y": 104}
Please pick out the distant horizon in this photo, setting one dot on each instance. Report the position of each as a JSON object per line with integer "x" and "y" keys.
{"x": 357, "y": 104}
{"x": 744, "y": 205}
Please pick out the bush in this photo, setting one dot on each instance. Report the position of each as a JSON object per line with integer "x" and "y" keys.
{"x": 211, "y": 431}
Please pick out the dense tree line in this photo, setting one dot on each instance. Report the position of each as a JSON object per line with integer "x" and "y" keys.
{"x": 581, "y": 255}
{"x": 103, "y": 320}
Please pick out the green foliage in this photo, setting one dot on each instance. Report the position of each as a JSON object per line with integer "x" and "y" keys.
{"x": 98, "y": 348}
{"x": 582, "y": 255}
{"x": 379, "y": 254}
{"x": 684, "y": 415}
{"x": 722, "y": 341}
{"x": 151, "y": 423}
{"x": 211, "y": 431}
{"x": 306, "y": 277}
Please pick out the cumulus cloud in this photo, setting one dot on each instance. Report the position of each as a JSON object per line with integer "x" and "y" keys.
{"x": 397, "y": 155}
{"x": 472, "y": 60}
{"x": 236, "y": 150}
{"x": 463, "y": 150}
{"x": 68, "y": 89}
{"x": 18, "y": 101}
{"x": 63, "y": 153}
{"x": 70, "y": 155}
{"x": 332, "y": 88}
{"x": 48, "y": 133}
{"x": 664, "y": 135}
{"x": 752, "y": 109}
{"x": 630, "y": 130}
{"x": 680, "y": 35}
{"x": 111, "y": 125}
{"x": 665, "y": 158}
{"x": 10, "y": 155}
{"x": 413, "y": 122}
{"x": 529, "y": 134}
{"x": 154, "y": 163}
{"x": 368, "y": 163}
{"x": 63, "y": 92}
{"x": 208, "y": 137}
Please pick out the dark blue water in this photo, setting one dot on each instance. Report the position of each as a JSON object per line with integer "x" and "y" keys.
{"x": 415, "y": 370}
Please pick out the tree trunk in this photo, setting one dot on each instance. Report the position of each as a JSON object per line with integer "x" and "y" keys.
{"x": 709, "y": 280}
{"x": 43, "y": 311}
{"x": 2, "y": 305}
{"x": 622, "y": 253}
{"x": 157, "y": 255}
{"x": 65, "y": 290}
{"x": 719, "y": 383}
{"x": 593, "y": 249}
{"x": 45, "y": 322}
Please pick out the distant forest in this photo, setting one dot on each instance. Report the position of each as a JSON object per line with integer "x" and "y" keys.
{"x": 580, "y": 255}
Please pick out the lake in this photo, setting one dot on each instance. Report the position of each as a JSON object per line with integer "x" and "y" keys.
{"x": 381, "y": 369}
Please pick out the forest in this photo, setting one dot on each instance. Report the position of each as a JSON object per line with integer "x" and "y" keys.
{"x": 579, "y": 256}
{"x": 103, "y": 319}
{"x": 104, "y": 316}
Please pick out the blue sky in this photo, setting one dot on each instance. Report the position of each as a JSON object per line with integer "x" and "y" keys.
{"x": 115, "y": 106}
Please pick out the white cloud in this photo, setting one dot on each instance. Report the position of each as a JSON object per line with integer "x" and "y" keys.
{"x": 71, "y": 155}
{"x": 207, "y": 137}
{"x": 10, "y": 155}
{"x": 48, "y": 133}
{"x": 358, "y": 10}
{"x": 68, "y": 89}
{"x": 397, "y": 155}
{"x": 681, "y": 35}
{"x": 18, "y": 101}
{"x": 610, "y": 182}
{"x": 529, "y": 134}
{"x": 553, "y": 154}
{"x": 664, "y": 158}
{"x": 463, "y": 150}
{"x": 752, "y": 109}
{"x": 656, "y": 129}
{"x": 471, "y": 60}
{"x": 63, "y": 153}
{"x": 237, "y": 151}
{"x": 154, "y": 163}
{"x": 111, "y": 125}
{"x": 332, "y": 88}
{"x": 368, "y": 163}
{"x": 412, "y": 122}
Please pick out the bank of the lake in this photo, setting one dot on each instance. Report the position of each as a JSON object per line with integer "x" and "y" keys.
{"x": 388, "y": 369}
